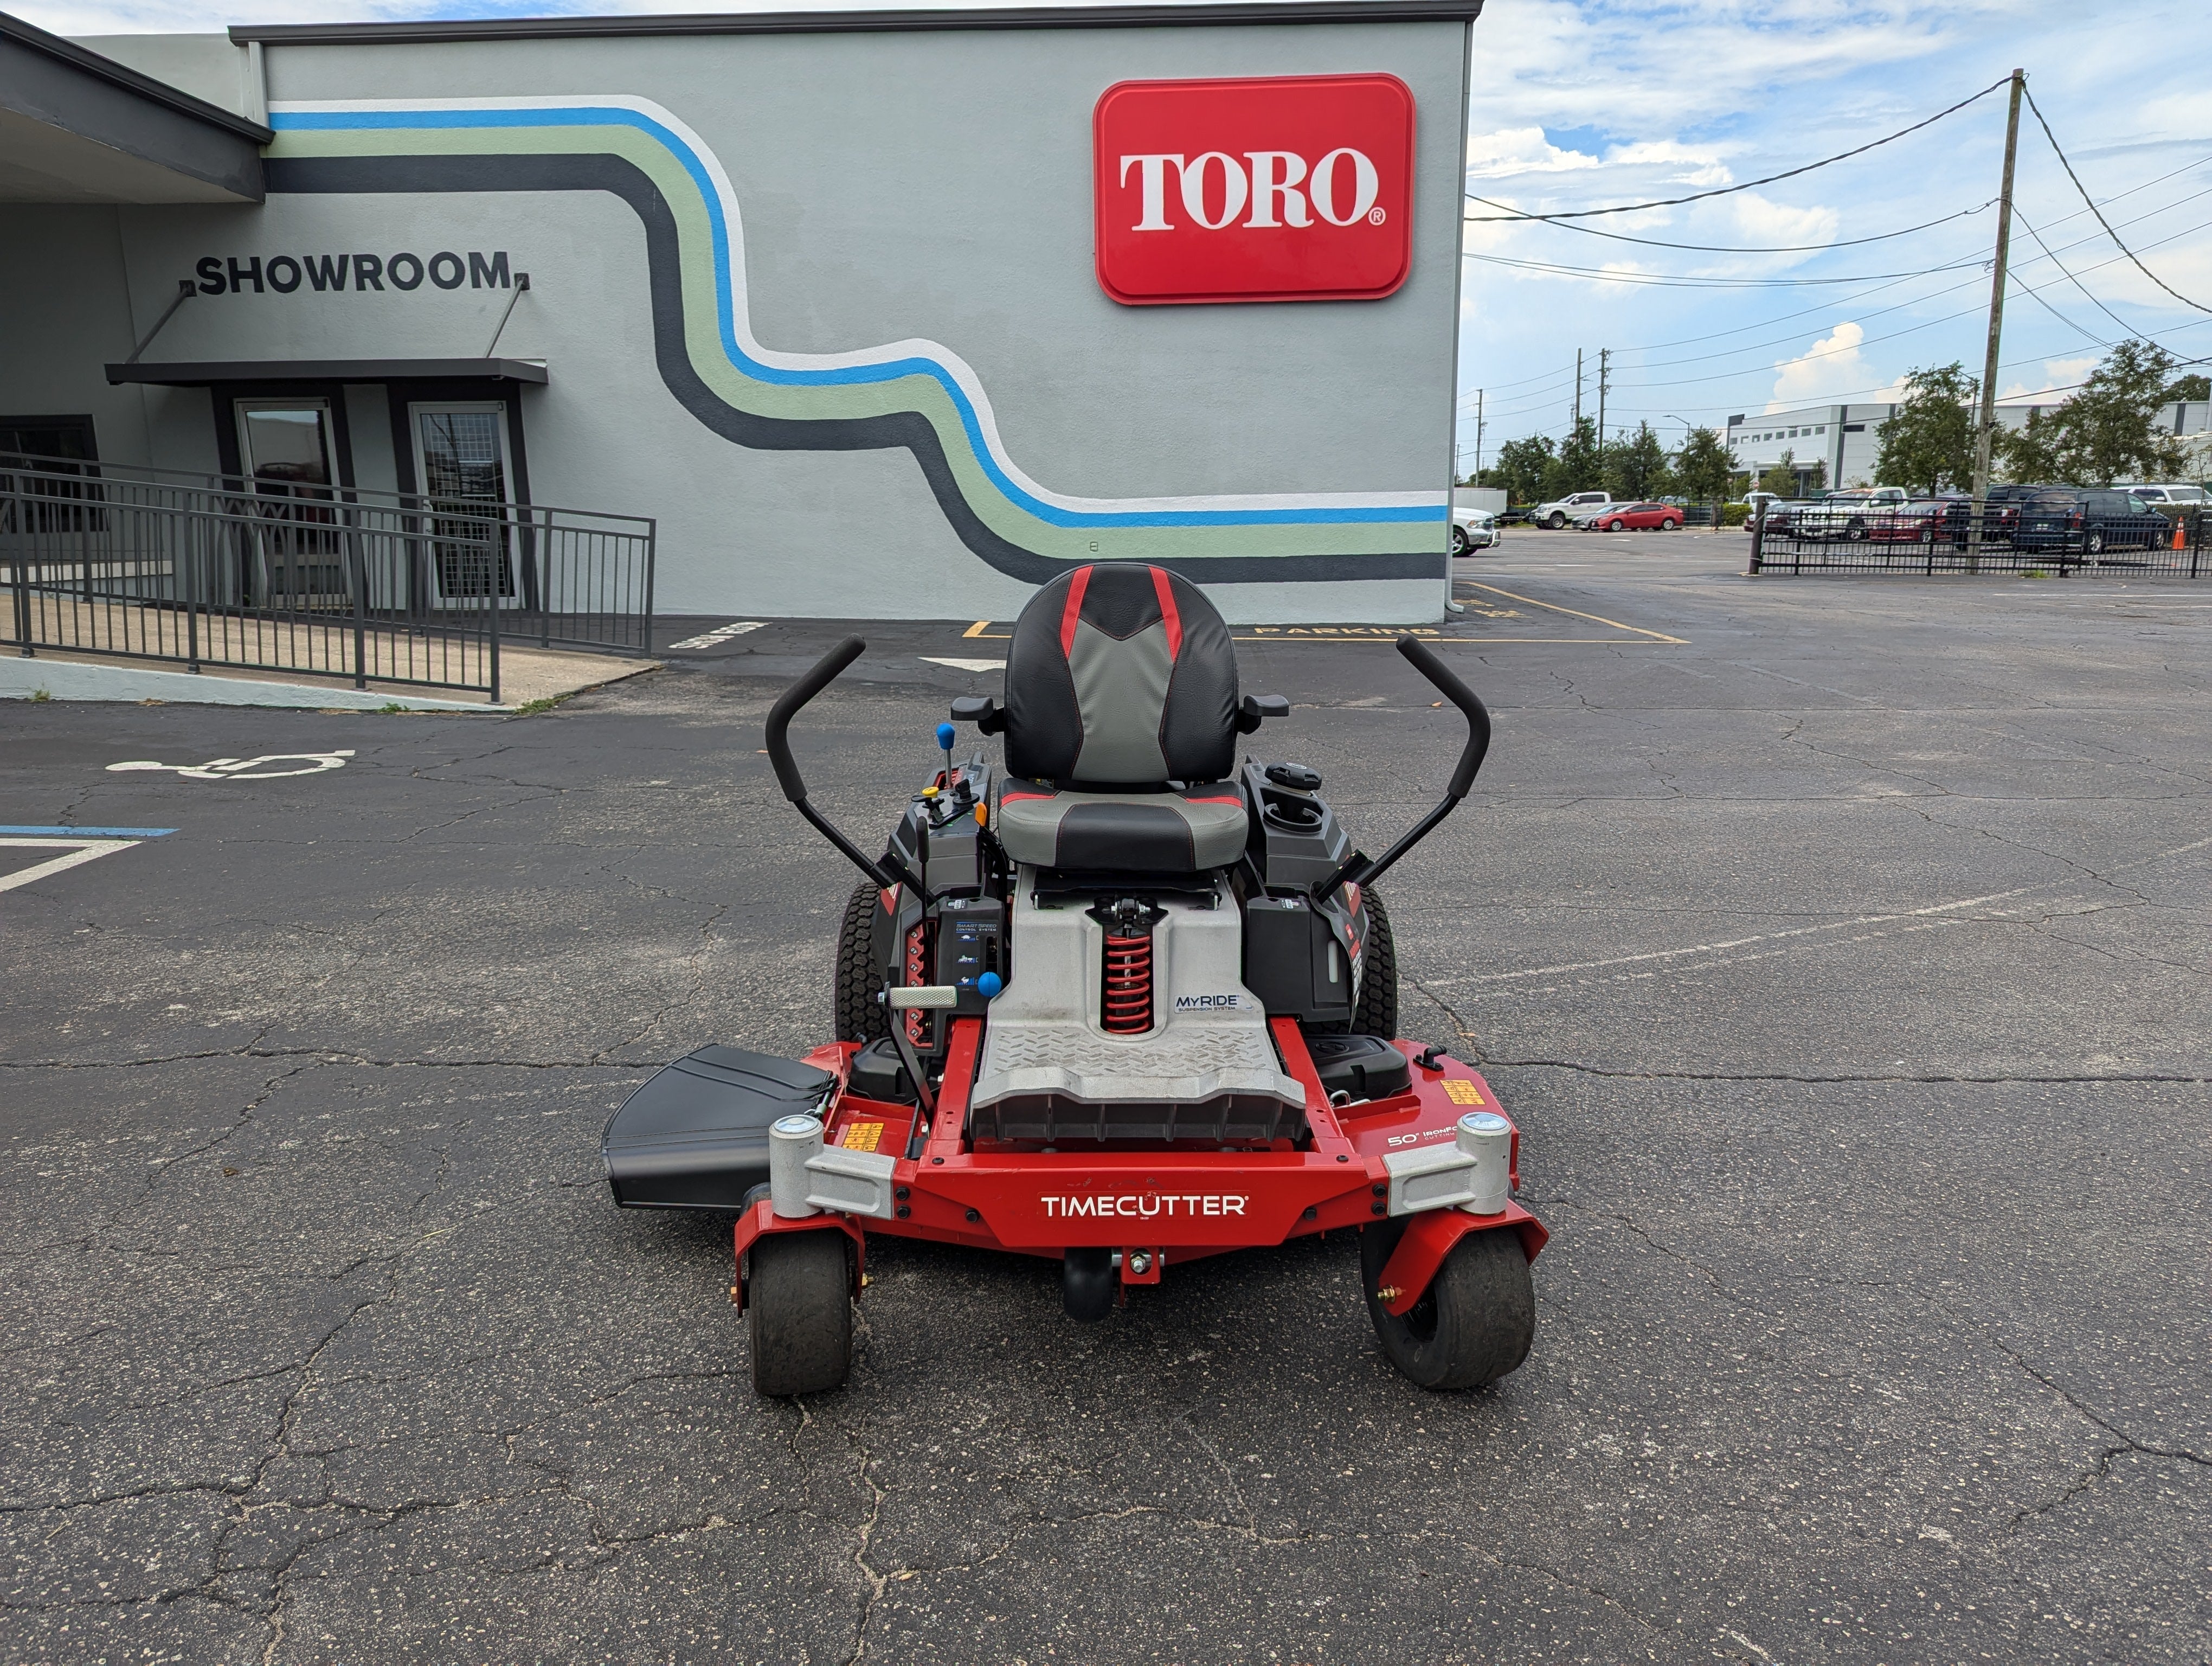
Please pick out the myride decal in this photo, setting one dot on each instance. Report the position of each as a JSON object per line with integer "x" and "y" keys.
{"x": 1292, "y": 188}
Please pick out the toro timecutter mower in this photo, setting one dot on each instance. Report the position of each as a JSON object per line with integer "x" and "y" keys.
{"x": 1132, "y": 1006}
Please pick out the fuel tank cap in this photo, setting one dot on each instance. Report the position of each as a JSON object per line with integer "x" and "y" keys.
{"x": 1295, "y": 776}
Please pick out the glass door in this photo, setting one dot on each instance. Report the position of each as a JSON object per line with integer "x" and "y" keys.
{"x": 294, "y": 560}
{"x": 461, "y": 460}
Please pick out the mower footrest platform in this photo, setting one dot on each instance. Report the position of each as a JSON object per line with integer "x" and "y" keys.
{"x": 695, "y": 1136}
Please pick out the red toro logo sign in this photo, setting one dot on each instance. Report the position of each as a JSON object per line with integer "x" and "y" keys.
{"x": 1289, "y": 189}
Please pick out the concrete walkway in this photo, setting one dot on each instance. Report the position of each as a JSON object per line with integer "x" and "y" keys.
{"x": 526, "y": 675}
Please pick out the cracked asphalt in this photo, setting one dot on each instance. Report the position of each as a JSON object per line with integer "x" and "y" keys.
{"x": 1846, "y": 962}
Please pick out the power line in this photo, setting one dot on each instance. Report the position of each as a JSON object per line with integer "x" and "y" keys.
{"x": 2086, "y": 296}
{"x": 1683, "y": 281}
{"x": 1748, "y": 184}
{"x": 2101, "y": 220}
{"x": 1725, "y": 248}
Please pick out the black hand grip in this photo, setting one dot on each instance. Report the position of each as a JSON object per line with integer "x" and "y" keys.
{"x": 1424, "y": 660}
{"x": 831, "y": 667}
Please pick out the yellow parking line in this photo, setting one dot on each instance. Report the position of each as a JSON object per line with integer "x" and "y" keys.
{"x": 1595, "y": 618}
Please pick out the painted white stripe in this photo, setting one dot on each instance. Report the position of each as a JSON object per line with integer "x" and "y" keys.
{"x": 80, "y": 851}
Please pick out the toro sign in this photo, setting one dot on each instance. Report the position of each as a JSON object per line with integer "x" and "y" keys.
{"x": 1294, "y": 188}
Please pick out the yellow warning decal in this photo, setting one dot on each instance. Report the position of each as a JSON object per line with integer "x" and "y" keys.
{"x": 1462, "y": 1093}
{"x": 861, "y": 1136}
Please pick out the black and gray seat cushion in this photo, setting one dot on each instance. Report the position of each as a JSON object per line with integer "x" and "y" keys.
{"x": 1120, "y": 676}
{"x": 1182, "y": 831}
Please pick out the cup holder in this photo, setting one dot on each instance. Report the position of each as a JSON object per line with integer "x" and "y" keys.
{"x": 1291, "y": 815}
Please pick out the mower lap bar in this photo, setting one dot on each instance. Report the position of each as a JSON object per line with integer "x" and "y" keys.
{"x": 887, "y": 873}
{"x": 1446, "y": 682}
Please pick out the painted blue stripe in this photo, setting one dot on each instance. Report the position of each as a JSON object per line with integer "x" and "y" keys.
{"x": 849, "y": 375}
{"x": 85, "y": 832}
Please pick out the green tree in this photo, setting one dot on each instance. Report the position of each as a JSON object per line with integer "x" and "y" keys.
{"x": 1781, "y": 478}
{"x": 1636, "y": 465}
{"x": 2029, "y": 454}
{"x": 1577, "y": 468}
{"x": 2197, "y": 386}
{"x": 1705, "y": 464}
{"x": 1930, "y": 443}
{"x": 1520, "y": 468}
{"x": 2103, "y": 433}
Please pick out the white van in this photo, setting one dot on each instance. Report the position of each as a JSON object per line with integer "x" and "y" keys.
{"x": 2166, "y": 494}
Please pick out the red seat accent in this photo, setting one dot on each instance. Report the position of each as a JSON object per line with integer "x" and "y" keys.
{"x": 1073, "y": 610}
{"x": 1165, "y": 591}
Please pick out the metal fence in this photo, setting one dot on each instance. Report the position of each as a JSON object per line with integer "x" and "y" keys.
{"x": 308, "y": 580}
{"x": 1944, "y": 539}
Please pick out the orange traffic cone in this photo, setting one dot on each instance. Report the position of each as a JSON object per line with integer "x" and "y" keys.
{"x": 2177, "y": 543}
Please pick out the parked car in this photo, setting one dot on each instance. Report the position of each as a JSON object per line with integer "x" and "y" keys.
{"x": 1561, "y": 510}
{"x": 1921, "y": 521}
{"x": 1633, "y": 518}
{"x": 2190, "y": 497}
{"x": 1848, "y": 514}
{"x": 1782, "y": 514}
{"x": 2090, "y": 523}
{"x": 1473, "y": 530}
{"x": 2000, "y": 511}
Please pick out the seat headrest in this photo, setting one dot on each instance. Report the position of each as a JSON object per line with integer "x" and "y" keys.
{"x": 1121, "y": 674}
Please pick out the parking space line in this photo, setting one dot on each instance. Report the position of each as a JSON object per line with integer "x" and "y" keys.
{"x": 1595, "y": 618}
{"x": 79, "y": 845}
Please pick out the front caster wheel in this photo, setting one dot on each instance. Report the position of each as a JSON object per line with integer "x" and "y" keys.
{"x": 800, "y": 1297}
{"x": 1087, "y": 1285}
{"x": 1475, "y": 1321}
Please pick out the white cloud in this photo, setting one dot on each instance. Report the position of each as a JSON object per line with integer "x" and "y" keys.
{"x": 1829, "y": 370}
{"x": 1511, "y": 152}
{"x": 1757, "y": 220}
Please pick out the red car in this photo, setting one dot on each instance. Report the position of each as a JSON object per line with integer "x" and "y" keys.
{"x": 1921, "y": 521}
{"x": 1634, "y": 518}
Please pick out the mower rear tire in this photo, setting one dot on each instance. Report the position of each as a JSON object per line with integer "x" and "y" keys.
{"x": 800, "y": 1297}
{"x": 1377, "y": 1014}
{"x": 858, "y": 1014}
{"x": 1472, "y": 1325}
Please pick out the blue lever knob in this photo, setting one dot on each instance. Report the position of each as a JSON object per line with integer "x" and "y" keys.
{"x": 946, "y": 734}
{"x": 988, "y": 985}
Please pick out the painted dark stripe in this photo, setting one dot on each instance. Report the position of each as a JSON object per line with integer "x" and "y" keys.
{"x": 908, "y": 430}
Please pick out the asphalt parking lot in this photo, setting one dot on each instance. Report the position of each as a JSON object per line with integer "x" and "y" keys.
{"x": 1841, "y": 944}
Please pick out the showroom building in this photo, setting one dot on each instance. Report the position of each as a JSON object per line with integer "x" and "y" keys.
{"x": 875, "y": 315}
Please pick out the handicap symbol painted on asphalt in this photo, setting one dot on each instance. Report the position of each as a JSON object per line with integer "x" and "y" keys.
{"x": 246, "y": 769}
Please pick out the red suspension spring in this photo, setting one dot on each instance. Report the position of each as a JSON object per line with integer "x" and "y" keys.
{"x": 917, "y": 972}
{"x": 1129, "y": 985}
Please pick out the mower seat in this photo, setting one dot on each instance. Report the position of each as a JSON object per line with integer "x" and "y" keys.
{"x": 1184, "y": 831}
{"x": 1120, "y": 701}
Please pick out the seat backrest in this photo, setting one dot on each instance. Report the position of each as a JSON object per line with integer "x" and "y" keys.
{"x": 1121, "y": 675}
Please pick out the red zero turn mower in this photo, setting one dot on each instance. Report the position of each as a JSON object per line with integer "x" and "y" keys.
{"x": 1132, "y": 1006}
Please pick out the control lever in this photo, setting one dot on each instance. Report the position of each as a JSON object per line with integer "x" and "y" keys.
{"x": 1446, "y": 682}
{"x": 890, "y": 871}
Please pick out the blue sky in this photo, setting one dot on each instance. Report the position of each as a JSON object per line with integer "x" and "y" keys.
{"x": 1592, "y": 105}
{"x": 1586, "y": 105}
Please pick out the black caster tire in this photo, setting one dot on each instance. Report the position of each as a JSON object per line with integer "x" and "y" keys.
{"x": 1377, "y": 1014}
{"x": 1474, "y": 1323}
{"x": 857, "y": 1014}
{"x": 800, "y": 1297}
{"x": 1087, "y": 1285}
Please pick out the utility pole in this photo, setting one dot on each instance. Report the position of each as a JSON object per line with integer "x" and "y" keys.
{"x": 1988, "y": 415}
{"x": 1578, "y": 388}
{"x": 1604, "y": 355}
{"x": 1478, "y": 436}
